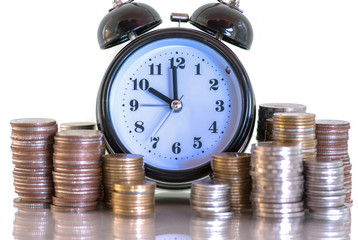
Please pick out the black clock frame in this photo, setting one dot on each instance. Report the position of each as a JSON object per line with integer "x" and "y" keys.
{"x": 168, "y": 178}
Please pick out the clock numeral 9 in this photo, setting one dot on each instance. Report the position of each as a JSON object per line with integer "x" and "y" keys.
{"x": 155, "y": 140}
{"x": 134, "y": 105}
{"x": 179, "y": 60}
{"x": 197, "y": 143}
{"x": 220, "y": 106}
{"x": 176, "y": 148}
{"x": 143, "y": 84}
{"x": 214, "y": 84}
{"x": 139, "y": 127}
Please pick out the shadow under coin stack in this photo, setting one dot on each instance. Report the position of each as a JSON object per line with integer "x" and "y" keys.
{"x": 277, "y": 180}
{"x": 32, "y": 149}
{"x": 324, "y": 189}
{"x": 266, "y": 112}
{"x": 135, "y": 199}
{"x": 234, "y": 168}
{"x": 296, "y": 128}
{"x": 332, "y": 144}
{"x": 209, "y": 199}
{"x": 120, "y": 168}
{"x": 77, "y": 170}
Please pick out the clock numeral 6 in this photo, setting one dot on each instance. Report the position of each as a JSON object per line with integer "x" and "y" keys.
{"x": 155, "y": 140}
{"x": 139, "y": 127}
{"x": 142, "y": 84}
{"x": 176, "y": 148}
{"x": 197, "y": 143}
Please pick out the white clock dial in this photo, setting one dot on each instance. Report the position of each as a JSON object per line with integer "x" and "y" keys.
{"x": 176, "y": 96}
{"x": 208, "y": 104}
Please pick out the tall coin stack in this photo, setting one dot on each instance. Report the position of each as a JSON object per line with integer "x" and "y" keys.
{"x": 324, "y": 189}
{"x": 32, "y": 149}
{"x": 234, "y": 168}
{"x": 120, "y": 168}
{"x": 77, "y": 170}
{"x": 210, "y": 199}
{"x": 296, "y": 128}
{"x": 267, "y": 110}
{"x": 332, "y": 144}
{"x": 135, "y": 199}
{"x": 277, "y": 180}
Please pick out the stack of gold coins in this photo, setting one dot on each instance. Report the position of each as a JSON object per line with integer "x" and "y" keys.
{"x": 234, "y": 168}
{"x": 32, "y": 149}
{"x": 332, "y": 144}
{"x": 77, "y": 170}
{"x": 267, "y": 110}
{"x": 120, "y": 168}
{"x": 77, "y": 126}
{"x": 296, "y": 128}
{"x": 134, "y": 199}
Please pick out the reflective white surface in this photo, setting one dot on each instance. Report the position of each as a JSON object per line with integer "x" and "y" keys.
{"x": 173, "y": 220}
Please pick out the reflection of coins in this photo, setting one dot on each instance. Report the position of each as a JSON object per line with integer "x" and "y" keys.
{"x": 234, "y": 168}
{"x": 134, "y": 199}
{"x": 121, "y": 168}
{"x": 277, "y": 180}
{"x": 32, "y": 148}
{"x": 210, "y": 199}
{"x": 266, "y": 111}
{"x": 77, "y": 170}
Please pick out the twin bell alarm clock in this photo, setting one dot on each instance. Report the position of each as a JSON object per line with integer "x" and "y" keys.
{"x": 176, "y": 95}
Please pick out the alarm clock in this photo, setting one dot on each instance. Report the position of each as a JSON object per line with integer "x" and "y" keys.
{"x": 175, "y": 95}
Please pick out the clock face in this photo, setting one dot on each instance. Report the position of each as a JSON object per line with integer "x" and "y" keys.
{"x": 175, "y": 100}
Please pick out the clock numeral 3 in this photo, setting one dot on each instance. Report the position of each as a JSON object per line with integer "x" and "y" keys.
{"x": 197, "y": 143}
{"x": 220, "y": 106}
{"x": 155, "y": 140}
{"x": 176, "y": 148}
{"x": 213, "y": 128}
{"x": 143, "y": 84}
{"x": 214, "y": 84}
{"x": 139, "y": 127}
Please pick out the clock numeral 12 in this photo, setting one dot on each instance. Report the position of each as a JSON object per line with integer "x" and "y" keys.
{"x": 179, "y": 60}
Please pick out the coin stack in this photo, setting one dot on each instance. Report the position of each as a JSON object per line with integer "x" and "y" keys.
{"x": 134, "y": 199}
{"x": 324, "y": 189}
{"x": 296, "y": 128}
{"x": 234, "y": 168}
{"x": 32, "y": 149}
{"x": 77, "y": 170}
{"x": 120, "y": 168}
{"x": 277, "y": 180}
{"x": 77, "y": 126}
{"x": 210, "y": 199}
{"x": 267, "y": 110}
{"x": 332, "y": 144}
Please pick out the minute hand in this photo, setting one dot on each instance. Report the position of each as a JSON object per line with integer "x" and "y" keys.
{"x": 160, "y": 95}
{"x": 175, "y": 83}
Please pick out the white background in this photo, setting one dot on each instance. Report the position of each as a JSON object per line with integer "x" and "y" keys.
{"x": 51, "y": 66}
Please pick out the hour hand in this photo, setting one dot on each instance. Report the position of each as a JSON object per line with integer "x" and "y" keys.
{"x": 160, "y": 95}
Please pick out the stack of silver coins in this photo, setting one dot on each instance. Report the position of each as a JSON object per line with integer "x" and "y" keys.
{"x": 32, "y": 149}
{"x": 277, "y": 180}
{"x": 332, "y": 144}
{"x": 120, "y": 168}
{"x": 267, "y": 110}
{"x": 324, "y": 189}
{"x": 296, "y": 128}
{"x": 208, "y": 199}
{"x": 234, "y": 168}
{"x": 134, "y": 199}
{"x": 78, "y": 126}
{"x": 77, "y": 170}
